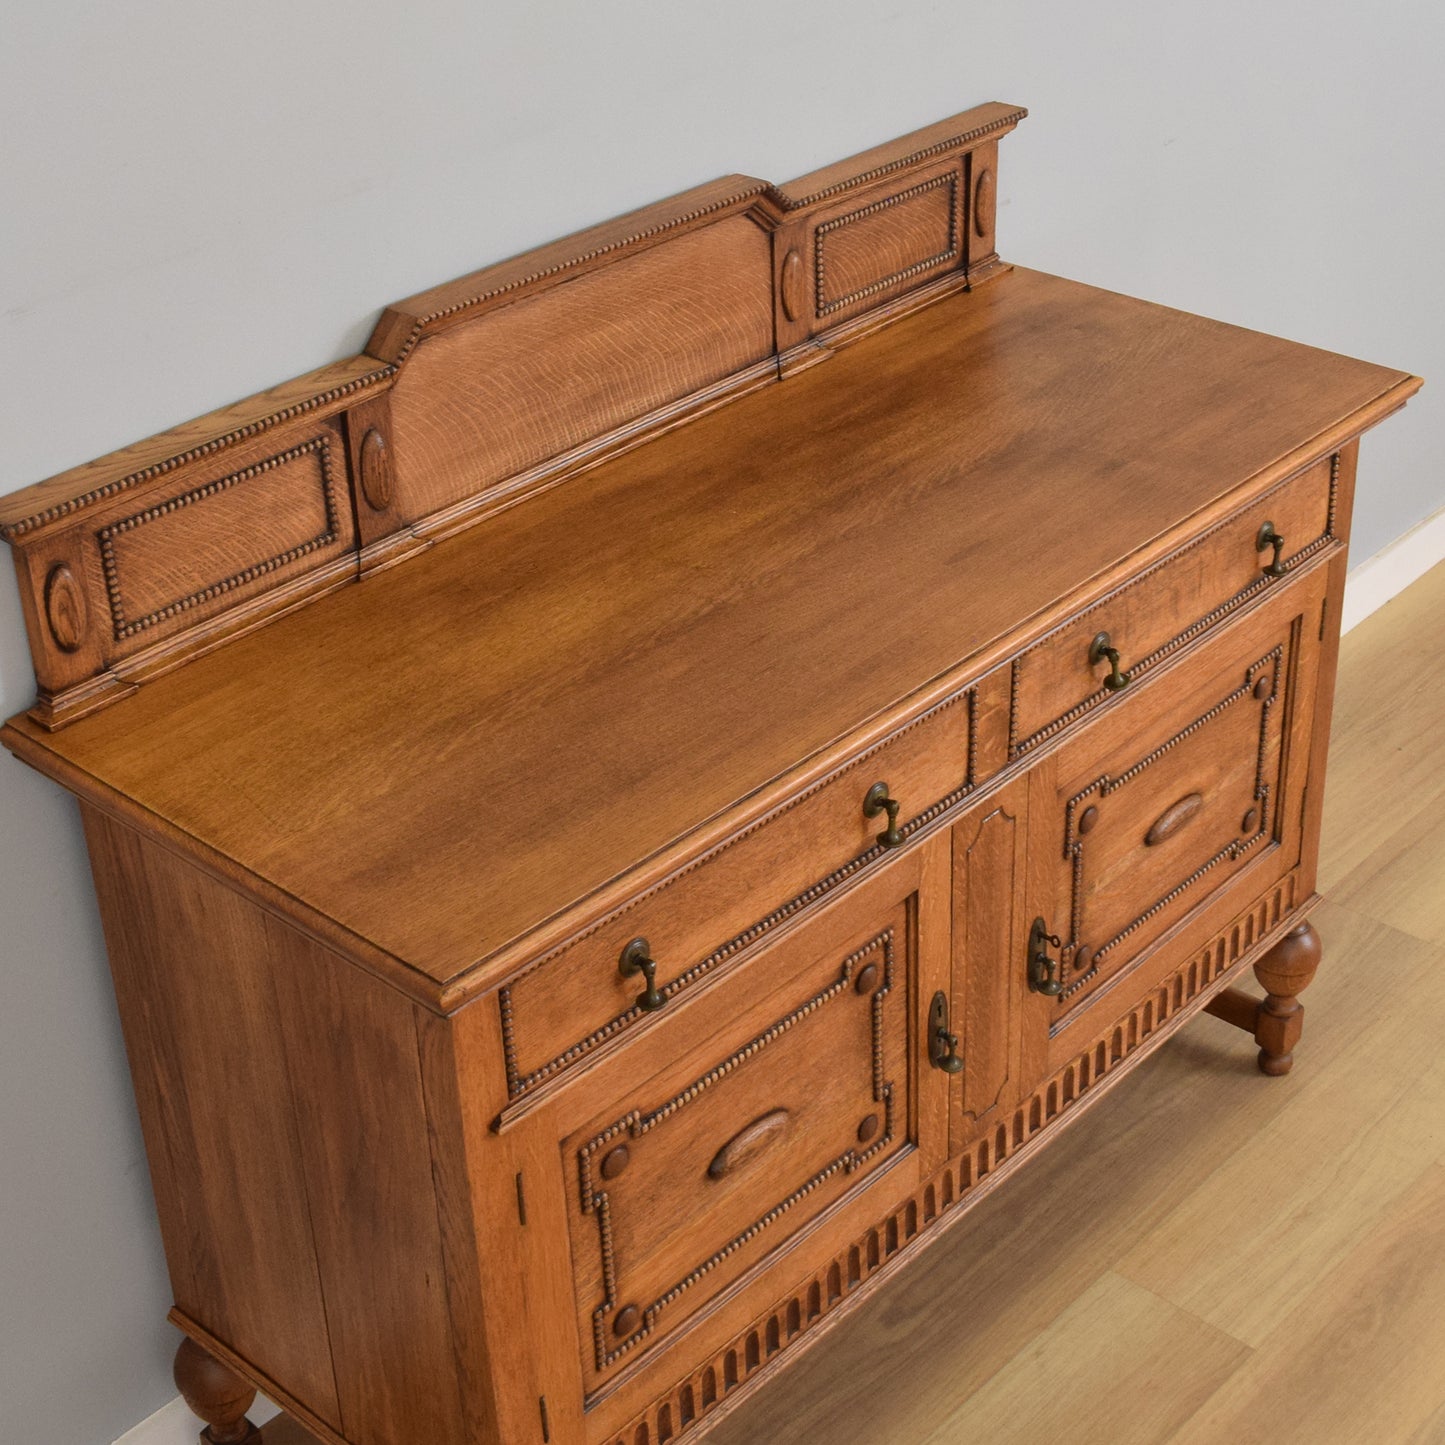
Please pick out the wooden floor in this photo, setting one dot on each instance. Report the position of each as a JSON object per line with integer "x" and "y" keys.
{"x": 1213, "y": 1257}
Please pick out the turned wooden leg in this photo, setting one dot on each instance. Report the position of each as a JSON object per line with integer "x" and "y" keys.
{"x": 1285, "y": 971}
{"x": 217, "y": 1394}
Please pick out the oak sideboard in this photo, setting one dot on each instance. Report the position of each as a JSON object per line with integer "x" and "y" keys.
{"x": 622, "y": 811}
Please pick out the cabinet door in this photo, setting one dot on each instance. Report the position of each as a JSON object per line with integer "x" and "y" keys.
{"x": 1181, "y": 804}
{"x": 724, "y": 1147}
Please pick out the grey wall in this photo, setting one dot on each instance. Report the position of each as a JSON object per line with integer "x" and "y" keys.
{"x": 203, "y": 200}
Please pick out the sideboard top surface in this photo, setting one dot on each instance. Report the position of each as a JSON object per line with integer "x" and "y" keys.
{"x": 454, "y": 751}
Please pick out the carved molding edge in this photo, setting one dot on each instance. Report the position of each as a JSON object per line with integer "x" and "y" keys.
{"x": 596, "y": 1200}
{"x": 715, "y": 1387}
{"x": 914, "y": 158}
{"x": 421, "y": 324}
{"x": 9, "y": 531}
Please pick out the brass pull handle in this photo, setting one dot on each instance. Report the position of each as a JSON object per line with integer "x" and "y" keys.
{"x": 875, "y": 801}
{"x": 1268, "y": 537}
{"x": 637, "y": 958}
{"x": 1043, "y": 970}
{"x": 942, "y": 1045}
{"x": 1102, "y": 650}
{"x": 748, "y": 1143}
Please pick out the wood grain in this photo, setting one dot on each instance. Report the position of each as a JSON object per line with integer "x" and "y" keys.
{"x": 478, "y": 404}
{"x": 1316, "y": 1175}
{"x": 505, "y": 382}
{"x": 202, "y": 1027}
{"x": 541, "y": 633}
{"x": 351, "y": 1055}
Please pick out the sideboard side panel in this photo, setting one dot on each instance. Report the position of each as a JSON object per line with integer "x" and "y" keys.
{"x": 203, "y": 1036}
{"x": 351, "y": 1052}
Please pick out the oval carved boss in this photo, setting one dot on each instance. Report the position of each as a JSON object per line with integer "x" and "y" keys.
{"x": 792, "y": 285}
{"x": 65, "y": 610}
{"x": 983, "y": 203}
{"x": 374, "y": 463}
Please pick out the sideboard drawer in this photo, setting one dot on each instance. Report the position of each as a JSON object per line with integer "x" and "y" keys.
{"x": 701, "y": 917}
{"x": 1060, "y": 678}
{"x": 787, "y": 1088}
{"x": 1163, "y": 804}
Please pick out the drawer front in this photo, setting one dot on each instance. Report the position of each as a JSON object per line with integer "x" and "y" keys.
{"x": 1057, "y": 681}
{"x": 701, "y": 918}
{"x": 796, "y": 1091}
{"x": 1161, "y": 805}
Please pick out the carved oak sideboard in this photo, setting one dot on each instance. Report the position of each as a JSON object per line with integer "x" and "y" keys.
{"x": 621, "y": 811}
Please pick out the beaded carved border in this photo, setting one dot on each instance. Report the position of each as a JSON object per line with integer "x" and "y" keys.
{"x": 745, "y": 1359}
{"x": 519, "y": 1083}
{"x": 963, "y": 138}
{"x": 1102, "y": 787}
{"x": 751, "y": 191}
{"x": 951, "y": 252}
{"x": 352, "y": 389}
{"x": 596, "y": 1201}
{"x": 125, "y": 628}
{"x": 1017, "y": 747}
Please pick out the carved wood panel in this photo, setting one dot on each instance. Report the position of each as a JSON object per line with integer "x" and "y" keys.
{"x": 1161, "y": 809}
{"x": 166, "y": 567}
{"x": 779, "y": 1107}
{"x": 987, "y": 869}
{"x": 527, "y": 384}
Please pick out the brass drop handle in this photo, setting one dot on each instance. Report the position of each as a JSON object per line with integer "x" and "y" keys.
{"x": 875, "y": 801}
{"x": 637, "y": 958}
{"x": 1102, "y": 650}
{"x": 1043, "y": 970}
{"x": 1268, "y": 537}
{"x": 942, "y": 1045}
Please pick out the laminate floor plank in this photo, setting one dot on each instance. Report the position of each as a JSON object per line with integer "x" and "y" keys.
{"x": 1402, "y": 882}
{"x": 1336, "y": 1155}
{"x": 1092, "y": 1376}
{"x": 1359, "y": 1357}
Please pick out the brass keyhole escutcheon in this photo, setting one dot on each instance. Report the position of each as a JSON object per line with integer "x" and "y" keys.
{"x": 942, "y": 1043}
{"x": 1044, "y": 971}
{"x": 875, "y": 801}
{"x": 1101, "y": 649}
{"x": 1268, "y": 537}
{"x": 637, "y": 959}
